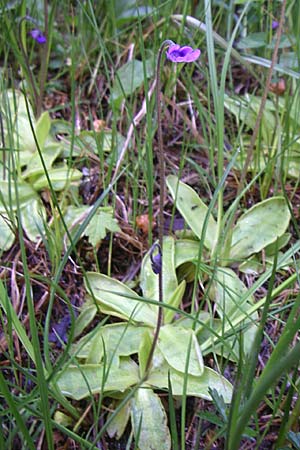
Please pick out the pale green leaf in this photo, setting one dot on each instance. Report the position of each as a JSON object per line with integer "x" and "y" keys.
{"x": 7, "y": 236}
{"x": 196, "y": 386}
{"x": 229, "y": 346}
{"x": 286, "y": 41}
{"x": 119, "y": 422}
{"x": 174, "y": 301}
{"x": 128, "y": 78}
{"x": 80, "y": 381}
{"x": 121, "y": 299}
{"x": 75, "y": 215}
{"x": 227, "y": 290}
{"x": 294, "y": 439}
{"x": 16, "y": 122}
{"x": 11, "y": 192}
{"x": 189, "y": 322}
{"x": 63, "y": 419}
{"x": 33, "y": 219}
{"x": 257, "y": 264}
{"x": 42, "y": 128}
{"x": 281, "y": 242}
{"x": 149, "y": 421}
{"x": 59, "y": 177}
{"x": 121, "y": 339}
{"x": 149, "y": 280}
{"x": 144, "y": 351}
{"x": 186, "y": 250}
{"x": 259, "y": 227}
{"x": 252, "y": 265}
{"x": 194, "y": 211}
{"x": 98, "y": 352}
{"x": 34, "y": 166}
{"x": 253, "y": 40}
{"x": 176, "y": 344}
{"x": 102, "y": 141}
{"x": 85, "y": 317}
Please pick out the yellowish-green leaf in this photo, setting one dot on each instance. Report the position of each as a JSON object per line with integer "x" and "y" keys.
{"x": 149, "y": 280}
{"x": 130, "y": 77}
{"x": 149, "y": 421}
{"x": 194, "y": 211}
{"x": 16, "y": 122}
{"x": 174, "y": 301}
{"x": 196, "y": 386}
{"x": 259, "y": 227}
{"x": 227, "y": 290}
{"x": 144, "y": 350}
{"x": 11, "y": 192}
{"x": 85, "y": 317}
{"x": 59, "y": 178}
{"x": 34, "y": 166}
{"x": 119, "y": 422}
{"x": 7, "y": 236}
{"x": 186, "y": 250}
{"x": 33, "y": 218}
{"x": 177, "y": 344}
{"x": 122, "y": 339}
{"x": 42, "y": 128}
{"x": 80, "y": 381}
{"x": 119, "y": 298}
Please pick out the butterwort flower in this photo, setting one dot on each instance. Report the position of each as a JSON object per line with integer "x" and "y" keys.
{"x": 177, "y": 54}
{"x": 38, "y": 36}
{"x": 156, "y": 258}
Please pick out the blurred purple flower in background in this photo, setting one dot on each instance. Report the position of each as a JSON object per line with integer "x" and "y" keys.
{"x": 176, "y": 53}
{"x": 274, "y": 24}
{"x": 38, "y": 36}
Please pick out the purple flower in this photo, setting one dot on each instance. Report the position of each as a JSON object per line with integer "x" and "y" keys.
{"x": 156, "y": 259}
{"x": 274, "y": 24}
{"x": 38, "y": 36}
{"x": 176, "y": 53}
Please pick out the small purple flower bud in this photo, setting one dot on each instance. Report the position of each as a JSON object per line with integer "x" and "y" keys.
{"x": 176, "y": 53}
{"x": 38, "y": 36}
{"x": 274, "y": 24}
{"x": 156, "y": 260}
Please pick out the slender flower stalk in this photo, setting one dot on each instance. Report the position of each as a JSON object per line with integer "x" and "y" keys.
{"x": 41, "y": 40}
{"x": 26, "y": 60}
{"x": 176, "y": 54}
{"x": 44, "y": 56}
{"x": 3, "y": 145}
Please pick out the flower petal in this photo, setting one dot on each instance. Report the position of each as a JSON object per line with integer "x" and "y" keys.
{"x": 38, "y": 36}
{"x": 185, "y": 50}
{"x": 193, "y": 55}
{"x": 176, "y": 53}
